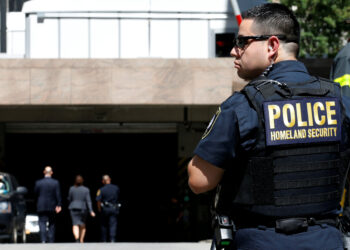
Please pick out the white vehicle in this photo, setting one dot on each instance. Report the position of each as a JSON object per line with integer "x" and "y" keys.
{"x": 123, "y": 29}
{"x": 32, "y": 226}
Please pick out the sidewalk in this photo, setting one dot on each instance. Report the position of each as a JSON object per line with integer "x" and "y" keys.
{"x": 108, "y": 246}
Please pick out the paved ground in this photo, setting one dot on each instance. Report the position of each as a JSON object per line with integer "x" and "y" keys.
{"x": 108, "y": 246}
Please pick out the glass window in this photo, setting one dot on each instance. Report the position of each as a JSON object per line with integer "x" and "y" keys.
{"x": 223, "y": 44}
{"x": 4, "y": 185}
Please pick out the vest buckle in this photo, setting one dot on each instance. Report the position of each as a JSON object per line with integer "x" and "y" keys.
{"x": 291, "y": 225}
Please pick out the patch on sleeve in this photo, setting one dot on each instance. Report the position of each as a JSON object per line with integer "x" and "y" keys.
{"x": 306, "y": 120}
{"x": 211, "y": 123}
{"x": 98, "y": 192}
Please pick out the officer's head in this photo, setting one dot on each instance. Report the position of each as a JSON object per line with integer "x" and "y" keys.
{"x": 106, "y": 179}
{"x": 268, "y": 33}
{"x": 48, "y": 171}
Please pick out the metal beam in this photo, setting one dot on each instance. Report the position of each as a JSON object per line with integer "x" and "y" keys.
{"x": 3, "y": 10}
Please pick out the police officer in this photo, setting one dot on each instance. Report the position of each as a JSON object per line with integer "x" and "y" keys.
{"x": 276, "y": 151}
{"x": 107, "y": 204}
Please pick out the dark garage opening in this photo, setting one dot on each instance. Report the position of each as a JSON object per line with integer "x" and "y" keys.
{"x": 145, "y": 166}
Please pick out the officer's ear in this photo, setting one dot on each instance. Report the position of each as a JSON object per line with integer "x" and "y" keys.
{"x": 273, "y": 44}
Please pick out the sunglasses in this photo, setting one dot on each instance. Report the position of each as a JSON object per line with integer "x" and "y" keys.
{"x": 242, "y": 41}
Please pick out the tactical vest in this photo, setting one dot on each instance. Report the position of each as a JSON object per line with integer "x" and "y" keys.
{"x": 299, "y": 162}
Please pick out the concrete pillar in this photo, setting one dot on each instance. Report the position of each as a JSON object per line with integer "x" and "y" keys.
{"x": 2, "y": 144}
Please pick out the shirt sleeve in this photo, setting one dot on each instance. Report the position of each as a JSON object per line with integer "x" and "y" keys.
{"x": 58, "y": 195}
{"x": 70, "y": 194}
{"x": 88, "y": 201}
{"x": 98, "y": 195}
{"x": 219, "y": 141}
{"x": 36, "y": 188}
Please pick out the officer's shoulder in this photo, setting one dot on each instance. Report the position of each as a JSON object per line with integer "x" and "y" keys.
{"x": 327, "y": 80}
{"x": 98, "y": 192}
{"x": 331, "y": 83}
{"x": 54, "y": 180}
{"x": 235, "y": 99}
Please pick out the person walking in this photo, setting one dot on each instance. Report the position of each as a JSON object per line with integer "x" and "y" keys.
{"x": 277, "y": 151}
{"x": 49, "y": 203}
{"x": 107, "y": 204}
{"x": 79, "y": 206}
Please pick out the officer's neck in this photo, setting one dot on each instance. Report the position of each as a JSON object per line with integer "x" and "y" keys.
{"x": 285, "y": 57}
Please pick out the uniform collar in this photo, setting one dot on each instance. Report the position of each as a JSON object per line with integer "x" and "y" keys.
{"x": 281, "y": 71}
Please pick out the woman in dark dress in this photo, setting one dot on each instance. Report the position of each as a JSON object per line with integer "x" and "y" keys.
{"x": 79, "y": 205}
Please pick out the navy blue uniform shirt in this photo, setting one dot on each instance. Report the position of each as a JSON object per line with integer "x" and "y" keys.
{"x": 232, "y": 129}
{"x": 109, "y": 193}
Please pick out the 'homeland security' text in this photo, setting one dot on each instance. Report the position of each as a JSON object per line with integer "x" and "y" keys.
{"x": 303, "y": 133}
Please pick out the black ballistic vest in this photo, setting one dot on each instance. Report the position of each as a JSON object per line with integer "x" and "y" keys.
{"x": 299, "y": 162}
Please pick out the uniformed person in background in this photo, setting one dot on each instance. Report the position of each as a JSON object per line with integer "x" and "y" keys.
{"x": 277, "y": 150}
{"x": 107, "y": 204}
{"x": 340, "y": 71}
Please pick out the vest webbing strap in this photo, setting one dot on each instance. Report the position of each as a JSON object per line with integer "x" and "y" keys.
{"x": 319, "y": 149}
{"x": 316, "y": 182}
{"x": 289, "y": 167}
{"x": 304, "y": 199}
{"x": 267, "y": 90}
{"x": 310, "y": 92}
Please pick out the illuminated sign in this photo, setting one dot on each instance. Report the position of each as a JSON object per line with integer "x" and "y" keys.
{"x": 302, "y": 121}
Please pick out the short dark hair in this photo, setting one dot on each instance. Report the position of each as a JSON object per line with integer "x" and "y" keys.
{"x": 275, "y": 19}
{"x": 79, "y": 180}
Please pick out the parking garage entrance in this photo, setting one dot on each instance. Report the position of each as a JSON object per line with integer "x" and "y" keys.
{"x": 144, "y": 165}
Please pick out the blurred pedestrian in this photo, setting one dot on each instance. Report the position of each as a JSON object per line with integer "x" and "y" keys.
{"x": 340, "y": 71}
{"x": 108, "y": 206}
{"x": 49, "y": 203}
{"x": 79, "y": 205}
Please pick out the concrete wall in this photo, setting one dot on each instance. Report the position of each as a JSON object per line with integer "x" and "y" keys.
{"x": 117, "y": 82}
{"x": 31, "y": 89}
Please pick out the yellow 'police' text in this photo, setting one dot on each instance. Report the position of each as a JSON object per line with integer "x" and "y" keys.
{"x": 318, "y": 113}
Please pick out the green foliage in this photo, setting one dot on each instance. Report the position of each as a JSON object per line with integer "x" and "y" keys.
{"x": 323, "y": 25}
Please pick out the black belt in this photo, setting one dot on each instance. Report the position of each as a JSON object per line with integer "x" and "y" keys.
{"x": 109, "y": 204}
{"x": 293, "y": 225}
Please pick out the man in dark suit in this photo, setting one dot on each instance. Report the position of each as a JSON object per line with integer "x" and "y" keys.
{"x": 49, "y": 201}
